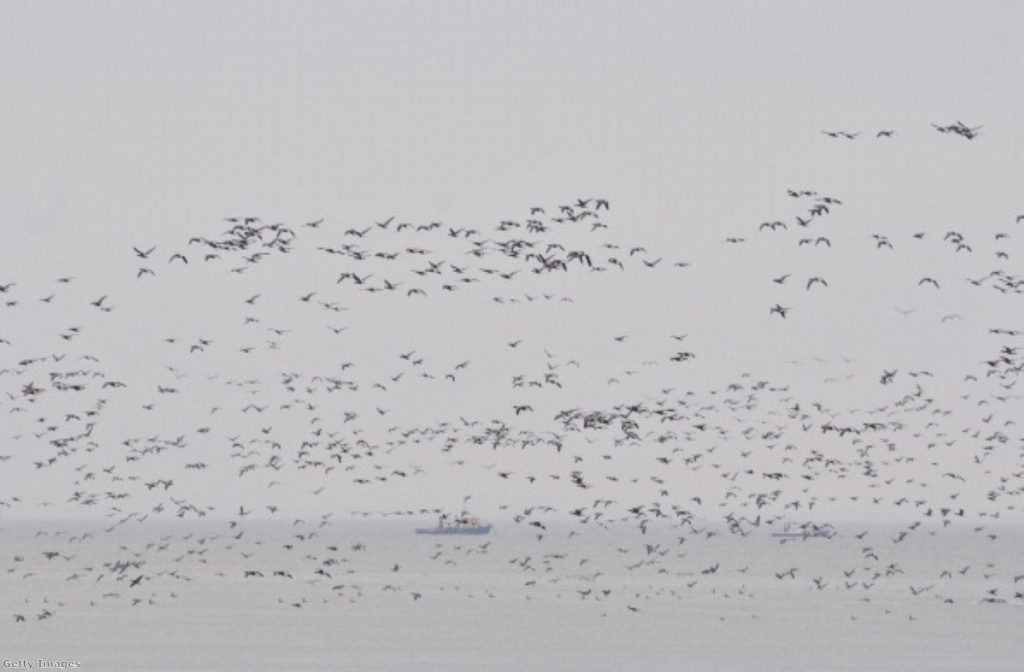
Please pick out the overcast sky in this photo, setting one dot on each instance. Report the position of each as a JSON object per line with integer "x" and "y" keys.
{"x": 142, "y": 123}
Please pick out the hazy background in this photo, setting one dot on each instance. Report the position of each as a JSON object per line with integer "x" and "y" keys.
{"x": 139, "y": 124}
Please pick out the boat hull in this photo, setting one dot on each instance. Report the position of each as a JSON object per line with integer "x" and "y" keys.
{"x": 483, "y": 529}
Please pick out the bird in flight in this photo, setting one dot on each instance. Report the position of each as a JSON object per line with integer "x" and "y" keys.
{"x": 841, "y": 134}
{"x": 816, "y": 280}
{"x": 959, "y": 128}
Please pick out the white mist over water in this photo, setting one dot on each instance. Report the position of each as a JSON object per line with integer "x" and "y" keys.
{"x": 477, "y": 610}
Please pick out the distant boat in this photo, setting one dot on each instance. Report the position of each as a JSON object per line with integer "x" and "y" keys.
{"x": 461, "y": 525}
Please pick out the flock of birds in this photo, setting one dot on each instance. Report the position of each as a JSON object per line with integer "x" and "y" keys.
{"x": 665, "y": 475}
{"x": 959, "y": 128}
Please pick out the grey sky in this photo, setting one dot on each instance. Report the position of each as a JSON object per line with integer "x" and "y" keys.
{"x": 127, "y": 123}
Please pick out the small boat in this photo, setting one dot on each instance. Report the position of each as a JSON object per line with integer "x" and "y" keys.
{"x": 461, "y": 525}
